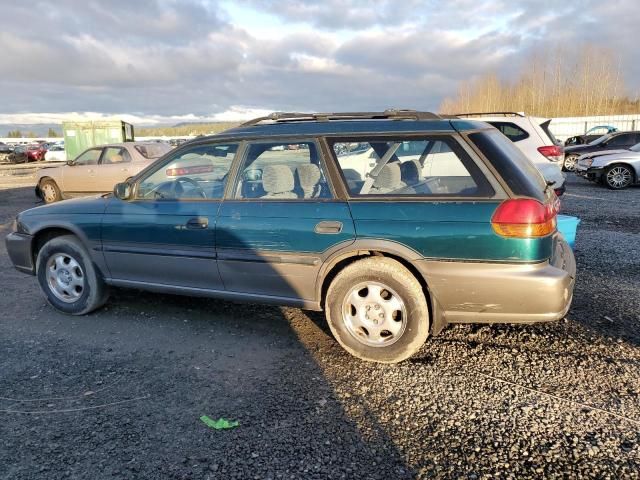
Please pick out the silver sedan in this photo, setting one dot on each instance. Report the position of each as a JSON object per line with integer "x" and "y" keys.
{"x": 97, "y": 170}
{"x": 615, "y": 169}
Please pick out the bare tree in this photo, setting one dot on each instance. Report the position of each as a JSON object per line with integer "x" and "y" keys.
{"x": 552, "y": 84}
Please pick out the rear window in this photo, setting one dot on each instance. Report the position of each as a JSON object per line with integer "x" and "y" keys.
{"x": 153, "y": 150}
{"x": 521, "y": 175}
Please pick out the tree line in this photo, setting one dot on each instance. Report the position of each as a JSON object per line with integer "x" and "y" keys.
{"x": 556, "y": 84}
{"x": 20, "y": 134}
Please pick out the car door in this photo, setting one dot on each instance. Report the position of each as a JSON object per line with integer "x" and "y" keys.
{"x": 281, "y": 219}
{"x": 80, "y": 176}
{"x": 114, "y": 167}
{"x": 165, "y": 234}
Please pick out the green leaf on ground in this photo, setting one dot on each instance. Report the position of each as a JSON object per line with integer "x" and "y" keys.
{"x": 220, "y": 424}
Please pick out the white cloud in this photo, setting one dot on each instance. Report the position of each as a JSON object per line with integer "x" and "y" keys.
{"x": 163, "y": 61}
{"x": 233, "y": 114}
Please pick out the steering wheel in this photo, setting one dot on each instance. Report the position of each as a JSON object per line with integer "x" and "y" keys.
{"x": 190, "y": 181}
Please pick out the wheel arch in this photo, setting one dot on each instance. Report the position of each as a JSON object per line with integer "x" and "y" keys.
{"x": 367, "y": 248}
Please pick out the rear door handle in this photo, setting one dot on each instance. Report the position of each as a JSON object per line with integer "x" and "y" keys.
{"x": 198, "y": 222}
{"x": 328, "y": 227}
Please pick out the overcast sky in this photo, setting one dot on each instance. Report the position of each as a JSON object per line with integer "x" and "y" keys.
{"x": 163, "y": 60}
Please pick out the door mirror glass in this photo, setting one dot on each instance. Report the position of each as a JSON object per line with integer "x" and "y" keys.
{"x": 122, "y": 190}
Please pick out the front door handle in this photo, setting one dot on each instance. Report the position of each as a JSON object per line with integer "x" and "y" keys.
{"x": 328, "y": 227}
{"x": 198, "y": 222}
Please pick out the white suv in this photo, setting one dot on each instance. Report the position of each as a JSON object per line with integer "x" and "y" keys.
{"x": 533, "y": 137}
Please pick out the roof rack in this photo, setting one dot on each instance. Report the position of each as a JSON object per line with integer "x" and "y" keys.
{"x": 484, "y": 114}
{"x": 392, "y": 114}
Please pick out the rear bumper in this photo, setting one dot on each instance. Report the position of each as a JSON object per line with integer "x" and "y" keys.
{"x": 19, "y": 250}
{"x": 469, "y": 292}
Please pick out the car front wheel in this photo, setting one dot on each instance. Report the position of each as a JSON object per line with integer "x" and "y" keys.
{"x": 50, "y": 191}
{"x": 617, "y": 177}
{"x": 68, "y": 277}
{"x": 377, "y": 310}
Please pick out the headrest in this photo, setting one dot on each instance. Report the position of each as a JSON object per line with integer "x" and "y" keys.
{"x": 308, "y": 175}
{"x": 277, "y": 179}
{"x": 389, "y": 177}
{"x": 410, "y": 171}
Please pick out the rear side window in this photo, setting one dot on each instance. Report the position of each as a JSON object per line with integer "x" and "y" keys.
{"x": 510, "y": 130}
{"x": 624, "y": 139}
{"x": 426, "y": 166}
{"x": 521, "y": 175}
{"x": 113, "y": 155}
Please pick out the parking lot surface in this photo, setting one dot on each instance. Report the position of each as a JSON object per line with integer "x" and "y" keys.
{"x": 119, "y": 393}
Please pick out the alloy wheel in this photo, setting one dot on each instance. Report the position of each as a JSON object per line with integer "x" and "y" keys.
{"x": 570, "y": 163}
{"x": 65, "y": 277}
{"x": 374, "y": 314}
{"x": 619, "y": 177}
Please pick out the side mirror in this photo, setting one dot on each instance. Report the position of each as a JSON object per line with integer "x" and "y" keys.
{"x": 123, "y": 190}
{"x": 71, "y": 163}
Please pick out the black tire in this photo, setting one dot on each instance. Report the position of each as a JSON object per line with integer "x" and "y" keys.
{"x": 391, "y": 274}
{"x": 93, "y": 293}
{"x": 52, "y": 193}
{"x": 618, "y": 176}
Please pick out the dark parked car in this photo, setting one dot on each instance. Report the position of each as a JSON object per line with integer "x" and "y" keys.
{"x": 591, "y": 135}
{"x": 19, "y": 155}
{"x": 449, "y": 223}
{"x": 613, "y": 141}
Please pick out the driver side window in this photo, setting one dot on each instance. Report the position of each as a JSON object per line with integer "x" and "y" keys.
{"x": 90, "y": 157}
{"x": 196, "y": 173}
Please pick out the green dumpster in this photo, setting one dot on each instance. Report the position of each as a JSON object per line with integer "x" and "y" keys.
{"x": 78, "y": 136}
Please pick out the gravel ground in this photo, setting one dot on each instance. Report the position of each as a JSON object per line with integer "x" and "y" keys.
{"x": 119, "y": 393}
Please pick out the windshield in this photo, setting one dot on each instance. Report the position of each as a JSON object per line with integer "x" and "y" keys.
{"x": 153, "y": 150}
{"x": 599, "y": 140}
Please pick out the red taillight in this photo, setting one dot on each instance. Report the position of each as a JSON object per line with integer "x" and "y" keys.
{"x": 552, "y": 152}
{"x": 524, "y": 218}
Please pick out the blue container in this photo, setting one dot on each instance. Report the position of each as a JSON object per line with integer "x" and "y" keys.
{"x": 567, "y": 226}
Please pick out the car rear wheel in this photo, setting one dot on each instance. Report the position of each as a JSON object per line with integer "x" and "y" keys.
{"x": 50, "y": 191}
{"x": 617, "y": 177}
{"x": 68, "y": 277}
{"x": 377, "y": 311}
{"x": 570, "y": 162}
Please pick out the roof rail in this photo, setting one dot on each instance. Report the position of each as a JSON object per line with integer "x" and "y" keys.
{"x": 484, "y": 114}
{"x": 391, "y": 114}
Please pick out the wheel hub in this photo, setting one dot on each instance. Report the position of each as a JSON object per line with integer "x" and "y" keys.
{"x": 64, "y": 276}
{"x": 374, "y": 313}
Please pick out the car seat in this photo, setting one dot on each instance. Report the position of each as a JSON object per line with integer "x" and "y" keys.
{"x": 308, "y": 176}
{"x": 278, "y": 182}
{"x": 388, "y": 180}
{"x": 410, "y": 172}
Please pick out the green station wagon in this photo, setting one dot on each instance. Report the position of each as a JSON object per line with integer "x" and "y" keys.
{"x": 394, "y": 223}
